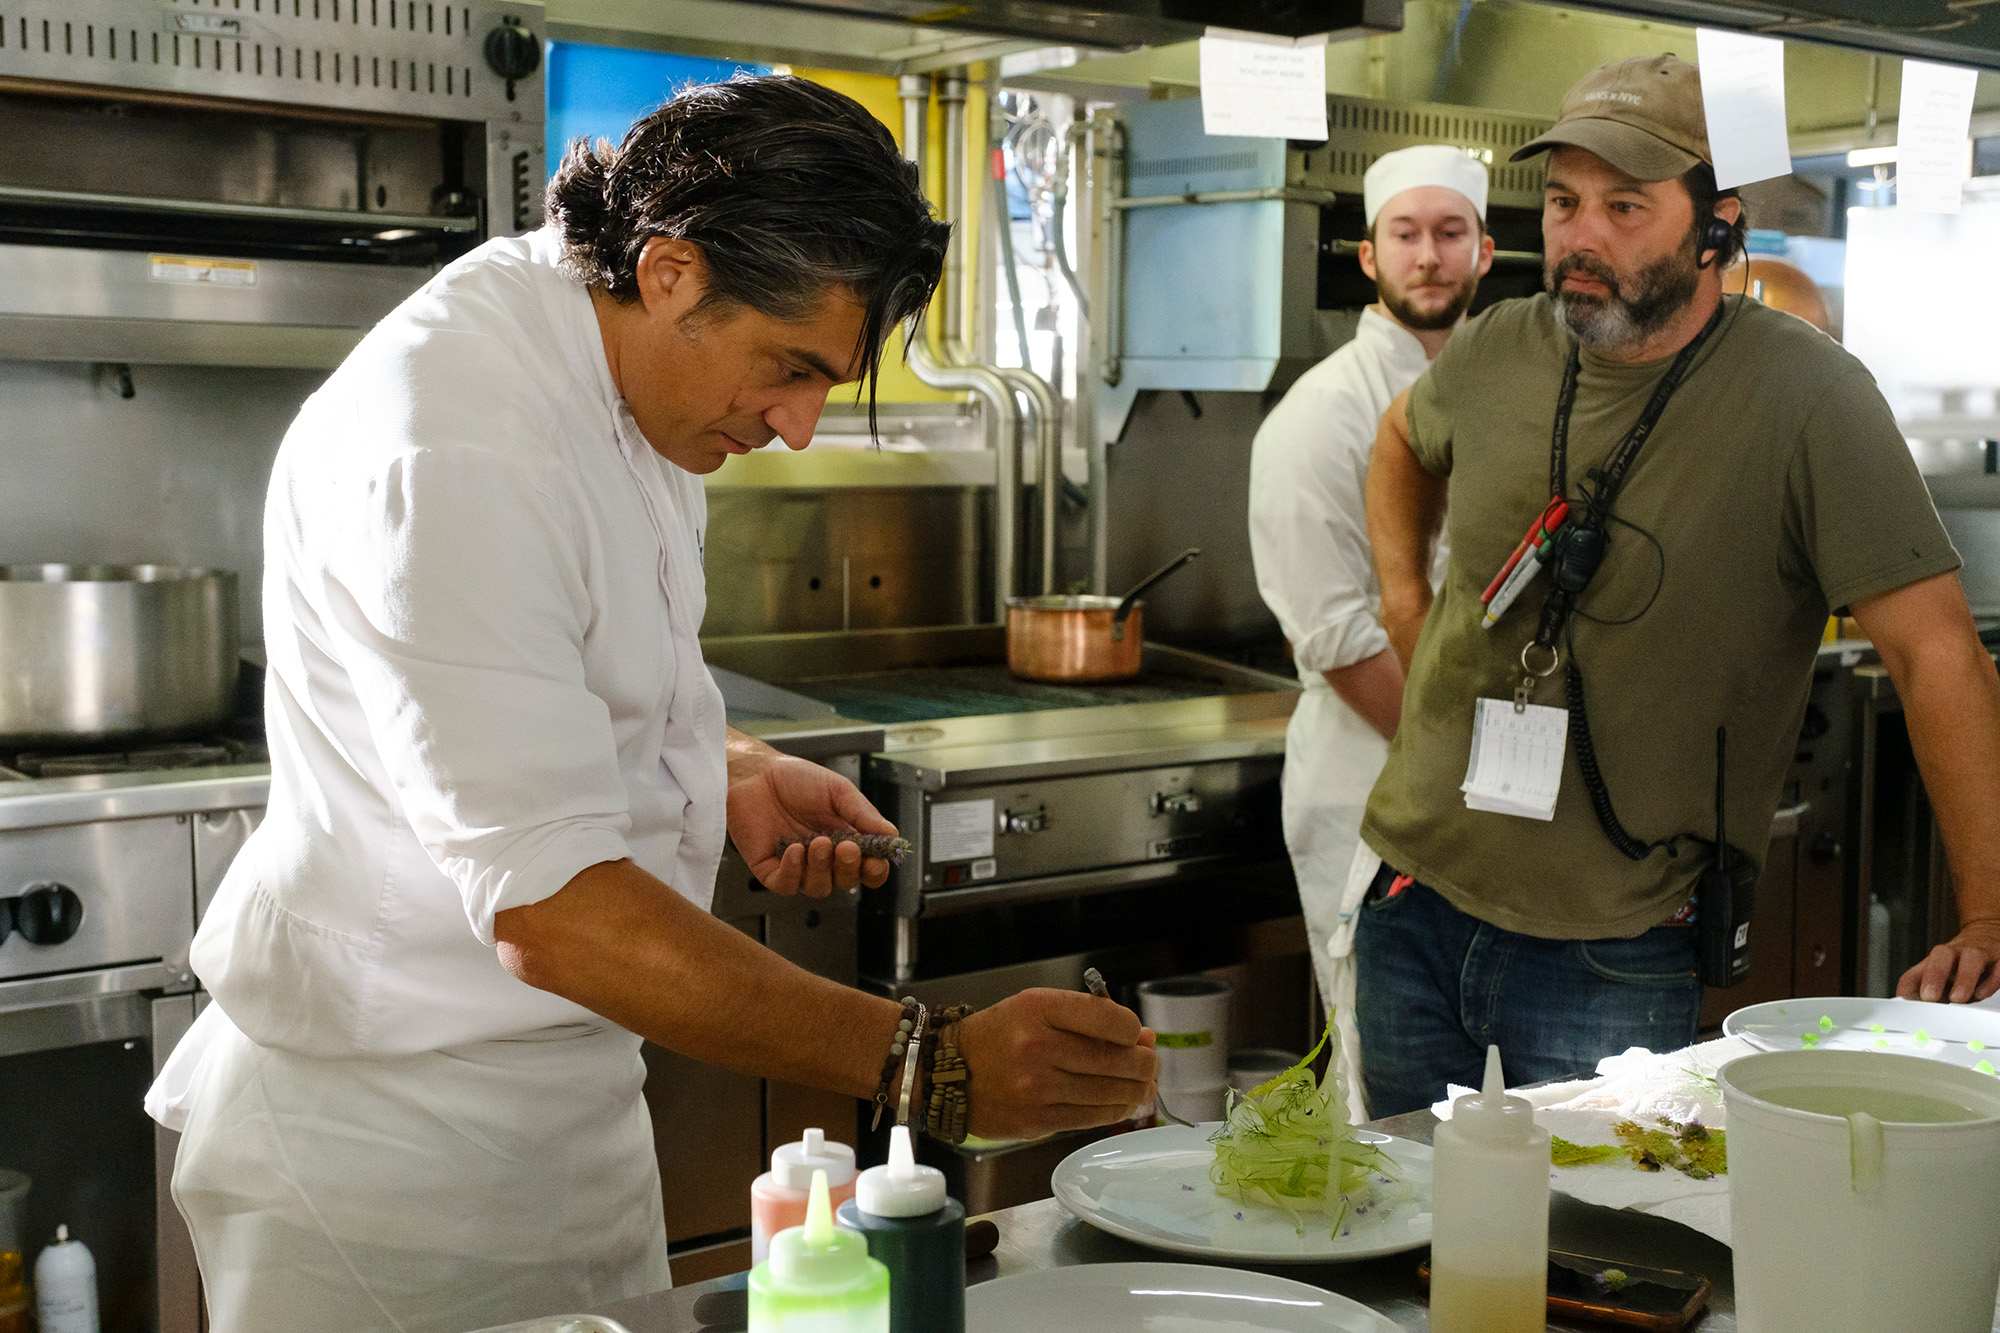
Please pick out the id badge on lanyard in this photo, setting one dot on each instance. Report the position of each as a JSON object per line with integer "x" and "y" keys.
{"x": 1517, "y": 758}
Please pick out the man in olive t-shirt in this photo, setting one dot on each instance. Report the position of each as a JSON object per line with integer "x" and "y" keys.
{"x": 1773, "y": 486}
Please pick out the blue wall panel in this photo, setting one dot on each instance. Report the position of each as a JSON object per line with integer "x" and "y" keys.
{"x": 596, "y": 92}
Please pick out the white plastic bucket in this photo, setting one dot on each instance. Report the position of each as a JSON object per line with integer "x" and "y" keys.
{"x": 1190, "y": 1018}
{"x": 1863, "y": 1223}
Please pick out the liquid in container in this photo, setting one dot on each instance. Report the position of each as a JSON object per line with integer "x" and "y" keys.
{"x": 1490, "y": 1214}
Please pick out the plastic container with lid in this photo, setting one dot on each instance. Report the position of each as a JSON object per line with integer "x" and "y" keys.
{"x": 819, "y": 1278}
{"x": 1490, "y": 1214}
{"x": 66, "y": 1286}
{"x": 778, "y": 1197}
{"x": 918, "y": 1232}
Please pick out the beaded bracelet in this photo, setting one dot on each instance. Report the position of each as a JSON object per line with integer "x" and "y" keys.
{"x": 897, "y": 1044}
{"x": 948, "y": 1098}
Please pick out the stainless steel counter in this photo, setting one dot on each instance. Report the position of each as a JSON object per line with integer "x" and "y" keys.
{"x": 1017, "y": 747}
{"x": 82, "y": 800}
{"x": 1042, "y": 1235}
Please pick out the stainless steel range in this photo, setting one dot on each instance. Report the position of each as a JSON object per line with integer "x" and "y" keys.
{"x": 1132, "y": 827}
{"x": 1017, "y": 791}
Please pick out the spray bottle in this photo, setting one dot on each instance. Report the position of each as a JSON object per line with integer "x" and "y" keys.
{"x": 66, "y": 1286}
{"x": 1490, "y": 1214}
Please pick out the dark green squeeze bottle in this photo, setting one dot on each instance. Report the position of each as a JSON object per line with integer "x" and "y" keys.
{"x": 916, "y": 1231}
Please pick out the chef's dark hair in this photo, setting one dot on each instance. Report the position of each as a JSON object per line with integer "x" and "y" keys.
{"x": 1699, "y": 181}
{"x": 788, "y": 188}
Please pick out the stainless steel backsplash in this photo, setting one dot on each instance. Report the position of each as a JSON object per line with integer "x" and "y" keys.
{"x": 175, "y": 474}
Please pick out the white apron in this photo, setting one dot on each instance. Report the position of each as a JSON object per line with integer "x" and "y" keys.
{"x": 1332, "y": 758}
{"x": 440, "y": 1192}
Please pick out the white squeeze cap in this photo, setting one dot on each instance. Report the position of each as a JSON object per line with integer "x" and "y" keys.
{"x": 1490, "y": 1114}
{"x": 902, "y": 1188}
{"x": 794, "y": 1163}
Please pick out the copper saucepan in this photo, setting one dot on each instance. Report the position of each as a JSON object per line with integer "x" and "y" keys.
{"x": 1060, "y": 638}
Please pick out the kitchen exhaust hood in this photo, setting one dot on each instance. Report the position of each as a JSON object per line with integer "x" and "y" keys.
{"x": 1956, "y": 32}
{"x": 1127, "y": 23}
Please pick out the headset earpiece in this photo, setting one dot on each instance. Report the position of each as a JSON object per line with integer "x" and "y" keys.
{"x": 1717, "y": 236}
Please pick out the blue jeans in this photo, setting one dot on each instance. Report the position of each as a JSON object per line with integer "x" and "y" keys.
{"x": 1436, "y": 986}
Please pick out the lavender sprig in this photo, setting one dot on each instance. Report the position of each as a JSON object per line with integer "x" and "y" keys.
{"x": 874, "y": 846}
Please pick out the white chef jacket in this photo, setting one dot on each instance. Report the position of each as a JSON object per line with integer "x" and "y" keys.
{"x": 1316, "y": 571}
{"x": 482, "y": 593}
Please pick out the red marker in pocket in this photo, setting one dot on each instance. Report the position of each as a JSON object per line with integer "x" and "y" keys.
{"x": 1550, "y": 519}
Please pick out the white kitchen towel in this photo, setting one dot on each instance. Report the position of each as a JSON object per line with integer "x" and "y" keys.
{"x": 1642, "y": 1086}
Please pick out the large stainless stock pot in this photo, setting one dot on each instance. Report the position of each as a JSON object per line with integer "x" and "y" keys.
{"x": 103, "y": 652}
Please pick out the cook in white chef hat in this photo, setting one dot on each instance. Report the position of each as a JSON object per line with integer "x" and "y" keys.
{"x": 1426, "y": 164}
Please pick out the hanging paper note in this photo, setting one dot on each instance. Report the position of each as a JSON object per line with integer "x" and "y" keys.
{"x": 1743, "y": 97}
{"x": 1263, "y": 87}
{"x": 1931, "y": 132}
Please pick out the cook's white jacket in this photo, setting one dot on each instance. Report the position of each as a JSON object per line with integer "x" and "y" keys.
{"x": 1308, "y": 487}
{"x": 1316, "y": 571}
{"x": 482, "y": 592}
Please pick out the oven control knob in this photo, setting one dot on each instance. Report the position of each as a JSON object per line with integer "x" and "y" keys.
{"x": 48, "y": 914}
{"x": 512, "y": 52}
{"x": 1028, "y": 821}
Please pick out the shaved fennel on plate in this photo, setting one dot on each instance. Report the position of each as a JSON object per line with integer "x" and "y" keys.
{"x": 1287, "y": 1144}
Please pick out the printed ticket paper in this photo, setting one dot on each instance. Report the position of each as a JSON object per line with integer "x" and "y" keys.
{"x": 1262, "y": 87}
{"x": 1517, "y": 759}
{"x": 1743, "y": 99}
{"x": 1933, "y": 126}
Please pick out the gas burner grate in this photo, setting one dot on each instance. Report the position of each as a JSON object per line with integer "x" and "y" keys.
{"x": 147, "y": 759}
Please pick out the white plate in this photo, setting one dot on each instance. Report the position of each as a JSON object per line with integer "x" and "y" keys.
{"x": 1956, "y": 1033}
{"x": 1152, "y": 1187}
{"x": 1162, "y": 1298}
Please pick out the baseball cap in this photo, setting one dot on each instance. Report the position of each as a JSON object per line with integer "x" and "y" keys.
{"x": 1644, "y": 116}
{"x": 1426, "y": 164}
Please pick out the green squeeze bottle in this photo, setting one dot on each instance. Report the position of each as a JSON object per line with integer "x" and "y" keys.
{"x": 918, "y": 1231}
{"x": 819, "y": 1278}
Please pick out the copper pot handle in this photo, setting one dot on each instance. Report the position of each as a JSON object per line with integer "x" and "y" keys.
{"x": 1131, "y": 598}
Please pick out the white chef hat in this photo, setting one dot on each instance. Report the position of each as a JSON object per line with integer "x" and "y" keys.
{"x": 1426, "y": 164}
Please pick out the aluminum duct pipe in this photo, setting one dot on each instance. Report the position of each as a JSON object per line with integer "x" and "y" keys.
{"x": 1004, "y": 424}
{"x": 1042, "y": 417}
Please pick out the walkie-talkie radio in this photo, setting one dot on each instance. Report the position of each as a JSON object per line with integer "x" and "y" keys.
{"x": 1727, "y": 896}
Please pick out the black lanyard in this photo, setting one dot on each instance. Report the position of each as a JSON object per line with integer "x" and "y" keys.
{"x": 1581, "y": 547}
{"x": 1575, "y": 560}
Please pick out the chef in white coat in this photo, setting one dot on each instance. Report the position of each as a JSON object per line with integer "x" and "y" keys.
{"x": 1426, "y": 250}
{"x": 501, "y": 781}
